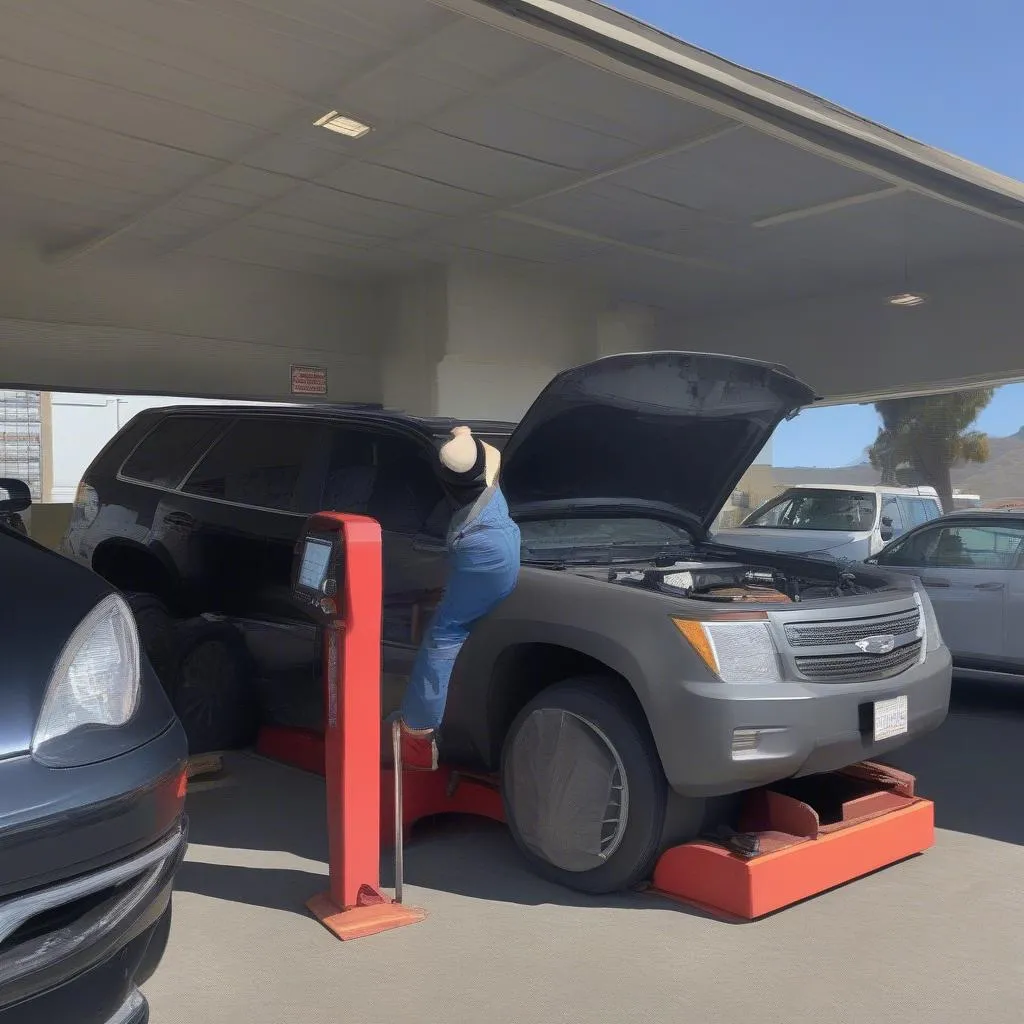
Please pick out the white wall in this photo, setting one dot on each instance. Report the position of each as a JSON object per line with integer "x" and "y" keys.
{"x": 82, "y": 424}
{"x": 182, "y": 324}
{"x": 481, "y": 341}
{"x": 508, "y": 334}
{"x": 414, "y": 334}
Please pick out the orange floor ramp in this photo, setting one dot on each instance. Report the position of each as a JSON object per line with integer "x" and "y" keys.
{"x": 800, "y": 838}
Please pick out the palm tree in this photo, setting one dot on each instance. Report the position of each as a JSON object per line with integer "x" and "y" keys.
{"x": 929, "y": 435}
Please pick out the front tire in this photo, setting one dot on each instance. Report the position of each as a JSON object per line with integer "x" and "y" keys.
{"x": 211, "y": 686}
{"x": 584, "y": 791}
{"x": 155, "y": 625}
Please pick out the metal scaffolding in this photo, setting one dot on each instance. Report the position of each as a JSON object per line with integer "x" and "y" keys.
{"x": 21, "y": 450}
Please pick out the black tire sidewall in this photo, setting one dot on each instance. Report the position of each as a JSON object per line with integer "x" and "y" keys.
{"x": 156, "y": 634}
{"x": 235, "y": 720}
{"x": 620, "y": 719}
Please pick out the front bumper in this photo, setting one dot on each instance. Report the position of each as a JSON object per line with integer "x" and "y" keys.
{"x": 811, "y": 727}
{"x": 73, "y": 951}
{"x": 61, "y": 822}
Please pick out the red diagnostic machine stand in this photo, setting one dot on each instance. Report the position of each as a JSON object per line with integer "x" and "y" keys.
{"x": 337, "y": 578}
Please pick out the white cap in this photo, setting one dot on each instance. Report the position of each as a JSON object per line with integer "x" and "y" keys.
{"x": 459, "y": 454}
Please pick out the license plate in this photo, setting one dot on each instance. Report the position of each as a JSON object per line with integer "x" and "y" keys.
{"x": 890, "y": 718}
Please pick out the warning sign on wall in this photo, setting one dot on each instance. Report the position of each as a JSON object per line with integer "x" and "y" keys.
{"x": 309, "y": 380}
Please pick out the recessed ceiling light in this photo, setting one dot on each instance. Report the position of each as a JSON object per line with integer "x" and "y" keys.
{"x": 335, "y": 122}
{"x": 906, "y": 299}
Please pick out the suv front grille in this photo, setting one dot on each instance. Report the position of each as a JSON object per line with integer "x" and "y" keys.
{"x": 829, "y": 634}
{"x": 859, "y": 667}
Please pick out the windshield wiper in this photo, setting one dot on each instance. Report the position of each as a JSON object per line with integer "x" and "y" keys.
{"x": 545, "y": 563}
{"x": 617, "y": 552}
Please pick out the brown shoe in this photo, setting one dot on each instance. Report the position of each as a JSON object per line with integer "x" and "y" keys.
{"x": 419, "y": 753}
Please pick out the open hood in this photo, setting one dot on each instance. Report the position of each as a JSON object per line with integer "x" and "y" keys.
{"x": 669, "y": 432}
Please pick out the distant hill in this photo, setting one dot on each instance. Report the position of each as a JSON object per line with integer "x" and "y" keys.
{"x": 1001, "y": 477}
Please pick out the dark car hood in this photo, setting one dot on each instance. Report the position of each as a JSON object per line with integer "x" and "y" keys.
{"x": 44, "y": 597}
{"x": 672, "y": 432}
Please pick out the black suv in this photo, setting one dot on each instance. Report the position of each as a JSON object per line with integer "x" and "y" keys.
{"x": 637, "y": 671}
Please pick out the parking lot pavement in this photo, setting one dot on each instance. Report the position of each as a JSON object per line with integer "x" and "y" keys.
{"x": 934, "y": 939}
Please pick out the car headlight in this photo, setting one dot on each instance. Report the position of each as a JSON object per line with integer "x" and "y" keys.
{"x": 928, "y": 626}
{"x": 96, "y": 679}
{"x": 737, "y": 650}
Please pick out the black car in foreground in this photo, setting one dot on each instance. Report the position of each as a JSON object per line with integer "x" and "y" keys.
{"x": 92, "y": 787}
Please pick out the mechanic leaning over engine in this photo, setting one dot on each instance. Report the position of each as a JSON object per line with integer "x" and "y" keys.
{"x": 484, "y": 549}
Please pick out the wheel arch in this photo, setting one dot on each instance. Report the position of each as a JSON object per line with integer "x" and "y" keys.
{"x": 133, "y": 567}
{"x": 520, "y": 663}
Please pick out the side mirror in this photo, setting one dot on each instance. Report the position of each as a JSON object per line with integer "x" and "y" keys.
{"x": 15, "y": 495}
{"x": 887, "y": 533}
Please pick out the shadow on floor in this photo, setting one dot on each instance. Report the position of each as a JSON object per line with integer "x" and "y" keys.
{"x": 970, "y": 767}
{"x": 466, "y": 857}
{"x": 272, "y": 888}
{"x": 281, "y": 812}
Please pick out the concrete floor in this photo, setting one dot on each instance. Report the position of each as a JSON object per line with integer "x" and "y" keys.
{"x": 934, "y": 939}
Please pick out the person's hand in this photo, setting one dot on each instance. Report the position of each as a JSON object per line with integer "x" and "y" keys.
{"x": 461, "y": 431}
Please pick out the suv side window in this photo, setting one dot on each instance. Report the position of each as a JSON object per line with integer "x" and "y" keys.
{"x": 911, "y": 512}
{"x": 892, "y": 509}
{"x": 407, "y": 492}
{"x": 351, "y": 471}
{"x": 171, "y": 449}
{"x": 384, "y": 476}
{"x": 258, "y": 462}
{"x": 911, "y": 552}
{"x": 960, "y": 547}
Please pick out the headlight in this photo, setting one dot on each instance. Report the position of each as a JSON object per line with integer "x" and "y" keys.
{"x": 736, "y": 650}
{"x": 86, "y": 507}
{"x": 96, "y": 679}
{"x": 928, "y": 628}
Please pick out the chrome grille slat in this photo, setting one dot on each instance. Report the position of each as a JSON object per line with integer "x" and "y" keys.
{"x": 837, "y": 633}
{"x": 858, "y": 667}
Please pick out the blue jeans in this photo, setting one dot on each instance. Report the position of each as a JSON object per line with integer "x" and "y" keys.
{"x": 484, "y": 567}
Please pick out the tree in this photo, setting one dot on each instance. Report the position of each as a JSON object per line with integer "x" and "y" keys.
{"x": 923, "y": 438}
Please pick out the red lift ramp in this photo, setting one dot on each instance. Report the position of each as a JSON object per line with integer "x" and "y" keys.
{"x": 813, "y": 834}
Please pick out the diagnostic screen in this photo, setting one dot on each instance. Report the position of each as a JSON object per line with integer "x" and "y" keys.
{"x": 316, "y": 558}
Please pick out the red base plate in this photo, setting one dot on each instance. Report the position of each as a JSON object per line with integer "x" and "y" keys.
{"x": 882, "y": 823}
{"x": 369, "y": 918}
{"x": 424, "y": 794}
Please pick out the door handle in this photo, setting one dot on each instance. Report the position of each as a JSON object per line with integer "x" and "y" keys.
{"x": 989, "y": 586}
{"x": 179, "y": 519}
{"x": 931, "y": 581}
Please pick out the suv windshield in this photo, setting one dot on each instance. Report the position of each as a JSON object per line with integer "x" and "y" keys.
{"x": 601, "y": 539}
{"x": 817, "y": 510}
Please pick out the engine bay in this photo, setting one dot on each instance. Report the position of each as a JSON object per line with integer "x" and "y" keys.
{"x": 724, "y": 582}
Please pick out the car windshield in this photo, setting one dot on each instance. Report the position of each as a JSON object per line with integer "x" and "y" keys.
{"x": 817, "y": 510}
{"x": 627, "y": 539}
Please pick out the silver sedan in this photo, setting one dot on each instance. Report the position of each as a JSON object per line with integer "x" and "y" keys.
{"x": 972, "y": 564}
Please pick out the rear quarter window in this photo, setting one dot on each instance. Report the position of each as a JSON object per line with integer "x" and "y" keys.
{"x": 171, "y": 449}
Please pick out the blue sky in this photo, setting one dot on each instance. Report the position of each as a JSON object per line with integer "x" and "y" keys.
{"x": 947, "y": 73}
